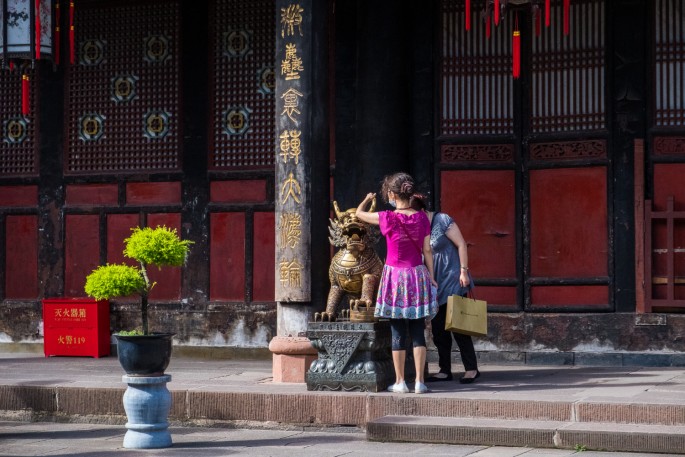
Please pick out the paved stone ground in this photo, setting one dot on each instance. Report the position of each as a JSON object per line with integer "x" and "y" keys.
{"x": 634, "y": 385}
{"x": 20, "y": 439}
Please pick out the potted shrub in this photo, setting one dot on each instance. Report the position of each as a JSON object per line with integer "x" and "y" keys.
{"x": 140, "y": 352}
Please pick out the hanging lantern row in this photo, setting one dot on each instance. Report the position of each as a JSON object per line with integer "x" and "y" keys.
{"x": 29, "y": 32}
{"x": 495, "y": 9}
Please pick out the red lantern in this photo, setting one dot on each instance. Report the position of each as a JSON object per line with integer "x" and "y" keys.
{"x": 72, "y": 51}
{"x": 25, "y": 87}
{"x": 548, "y": 13}
{"x": 37, "y": 29}
{"x": 468, "y": 15}
{"x": 516, "y": 51}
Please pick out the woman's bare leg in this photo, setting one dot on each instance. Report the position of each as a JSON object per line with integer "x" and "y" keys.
{"x": 398, "y": 358}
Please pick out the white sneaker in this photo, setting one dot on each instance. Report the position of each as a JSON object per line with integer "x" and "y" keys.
{"x": 420, "y": 388}
{"x": 400, "y": 388}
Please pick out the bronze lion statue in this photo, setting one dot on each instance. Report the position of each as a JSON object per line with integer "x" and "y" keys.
{"x": 356, "y": 268}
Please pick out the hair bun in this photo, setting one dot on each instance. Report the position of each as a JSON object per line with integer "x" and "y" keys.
{"x": 407, "y": 188}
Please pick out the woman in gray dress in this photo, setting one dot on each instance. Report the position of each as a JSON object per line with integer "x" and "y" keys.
{"x": 450, "y": 264}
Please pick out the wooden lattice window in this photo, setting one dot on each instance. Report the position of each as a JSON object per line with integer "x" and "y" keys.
{"x": 475, "y": 74}
{"x": 123, "y": 90}
{"x": 18, "y": 151}
{"x": 670, "y": 63}
{"x": 568, "y": 73}
{"x": 243, "y": 110}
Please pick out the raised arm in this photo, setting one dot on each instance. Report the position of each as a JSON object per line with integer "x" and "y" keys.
{"x": 366, "y": 216}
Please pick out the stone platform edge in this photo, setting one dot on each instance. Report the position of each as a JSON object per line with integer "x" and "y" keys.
{"x": 540, "y": 358}
{"x": 104, "y": 405}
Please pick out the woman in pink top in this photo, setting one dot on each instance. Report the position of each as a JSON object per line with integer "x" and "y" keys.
{"x": 407, "y": 290}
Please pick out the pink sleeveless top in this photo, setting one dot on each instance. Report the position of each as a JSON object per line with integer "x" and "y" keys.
{"x": 404, "y": 252}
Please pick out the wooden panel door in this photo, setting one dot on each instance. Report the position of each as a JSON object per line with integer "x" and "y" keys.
{"x": 523, "y": 165}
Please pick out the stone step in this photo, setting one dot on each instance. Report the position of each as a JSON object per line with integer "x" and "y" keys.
{"x": 329, "y": 408}
{"x": 434, "y": 405}
{"x": 529, "y": 433}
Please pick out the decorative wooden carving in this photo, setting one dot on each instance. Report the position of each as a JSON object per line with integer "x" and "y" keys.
{"x": 123, "y": 96}
{"x": 669, "y": 63}
{"x": 477, "y": 92}
{"x": 669, "y": 145}
{"x": 569, "y": 150}
{"x": 568, "y": 76}
{"x": 243, "y": 106}
{"x": 452, "y": 153}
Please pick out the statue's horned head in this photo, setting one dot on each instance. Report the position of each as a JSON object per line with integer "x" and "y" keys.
{"x": 348, "y": 230}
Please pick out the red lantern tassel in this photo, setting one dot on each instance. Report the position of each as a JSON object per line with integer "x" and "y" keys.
{"x": 468, "y": 14}
{"x": 567, "y": 16}
{"x": 37, "y": 29}
{"x": 11, "y": 65}
{"x": 516, "y": 51}
{"x": 25, "y": 95}
{"x": 496, "y": 12}
{"x": 57, "y": 32}
{"x": 548, "y": 13}
{"x": 538, "y": 22}
{"x": 488, "y": 27}
{"x": 72, "y": 51}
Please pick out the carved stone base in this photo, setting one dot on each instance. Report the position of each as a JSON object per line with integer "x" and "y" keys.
{"x": 291, "y": 358}
{"x": 353, "y": 356}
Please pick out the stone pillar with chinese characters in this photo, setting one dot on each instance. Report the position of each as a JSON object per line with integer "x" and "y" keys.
{"x": 302, "y": 180}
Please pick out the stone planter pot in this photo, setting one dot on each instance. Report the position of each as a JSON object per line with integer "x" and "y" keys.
{"x": 144, "y": 355}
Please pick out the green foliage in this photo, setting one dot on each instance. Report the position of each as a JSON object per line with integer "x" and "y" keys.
{"x": 160, "y": 246}
{"x": 580, "y": 448}
{"x": 111, "y": 281}
{"x": 136, "y": 332}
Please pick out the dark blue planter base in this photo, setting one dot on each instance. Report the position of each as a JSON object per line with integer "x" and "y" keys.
{"x": 147, "y": 402}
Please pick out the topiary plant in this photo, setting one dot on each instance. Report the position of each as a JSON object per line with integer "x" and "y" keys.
{"x": 160, "y": 246}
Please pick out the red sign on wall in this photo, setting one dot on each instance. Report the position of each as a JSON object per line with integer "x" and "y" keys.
{"x": 76, "y": 327}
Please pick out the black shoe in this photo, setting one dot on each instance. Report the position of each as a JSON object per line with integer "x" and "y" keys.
{"x": 440, "y": 377}
{"x": 469, "y": 380}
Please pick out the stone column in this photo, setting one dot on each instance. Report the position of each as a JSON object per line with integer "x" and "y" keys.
{"x": 301, "y": 184}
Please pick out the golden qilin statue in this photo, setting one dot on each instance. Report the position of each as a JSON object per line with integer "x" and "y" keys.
{"x": 355, "y": 269}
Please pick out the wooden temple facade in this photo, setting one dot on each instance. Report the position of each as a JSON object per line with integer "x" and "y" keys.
{"x": 567, "y": 180}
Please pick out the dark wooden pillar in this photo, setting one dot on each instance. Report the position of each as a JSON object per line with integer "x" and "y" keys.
{"x": 195, "y": 93}
{"x": 301, "y": 187}
{"x": 629, "y": 35}
{"x": 301, "y": 181}
{"x": 422, "y": 94}
{"x": 51, "y": 189}
{"x": 373, "y": 62}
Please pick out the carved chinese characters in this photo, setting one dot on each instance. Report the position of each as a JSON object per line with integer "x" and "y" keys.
{"x": 292, "y": 155}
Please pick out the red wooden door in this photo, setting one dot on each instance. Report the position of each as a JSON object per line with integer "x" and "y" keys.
{"x": 523, "y": 166}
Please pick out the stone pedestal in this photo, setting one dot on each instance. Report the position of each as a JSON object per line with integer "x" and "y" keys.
{"x": 353, "y": 356}
{"x": 147, "y": 402}
{"x": 292, "y": 356}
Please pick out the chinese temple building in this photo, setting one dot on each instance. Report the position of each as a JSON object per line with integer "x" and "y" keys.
{"x": 552, "y": 131}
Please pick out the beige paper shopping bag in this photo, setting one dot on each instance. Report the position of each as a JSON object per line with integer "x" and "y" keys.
{"x": 467, "y": 316}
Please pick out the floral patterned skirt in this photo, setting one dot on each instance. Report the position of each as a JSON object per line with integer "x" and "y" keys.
{"x": 406, "y": 293}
